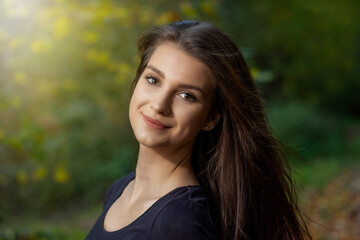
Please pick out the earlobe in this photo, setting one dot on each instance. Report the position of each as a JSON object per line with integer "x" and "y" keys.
{"x": 205, "y": 127}
{"x": 211, "y": 124}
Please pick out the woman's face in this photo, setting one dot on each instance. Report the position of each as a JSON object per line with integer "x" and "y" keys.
{"x": 172, "y": 99}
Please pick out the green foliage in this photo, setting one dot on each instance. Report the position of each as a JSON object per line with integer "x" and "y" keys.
{"x": 310, "y": 131}
{"x": 65, "y": 74}
{"x": 317, "y": 173}
{"x": 319, "y": 145}
{"x": 310, "y": 47}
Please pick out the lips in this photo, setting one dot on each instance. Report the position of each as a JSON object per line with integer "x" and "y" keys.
{"x": 154, "y": 123}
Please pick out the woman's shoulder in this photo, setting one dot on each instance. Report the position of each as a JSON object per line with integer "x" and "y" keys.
{"x": 184, "y": 216}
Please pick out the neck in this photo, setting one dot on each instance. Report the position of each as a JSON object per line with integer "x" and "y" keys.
{"x": 159, "y": 171}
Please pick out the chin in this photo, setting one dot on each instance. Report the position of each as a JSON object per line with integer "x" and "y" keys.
{"x": 150, "y": 141}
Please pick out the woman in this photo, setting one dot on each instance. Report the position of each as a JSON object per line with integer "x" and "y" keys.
{"x": 208, "y": 166}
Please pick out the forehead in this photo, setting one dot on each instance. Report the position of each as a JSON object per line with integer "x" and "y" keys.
{"x": 177, "y": 65}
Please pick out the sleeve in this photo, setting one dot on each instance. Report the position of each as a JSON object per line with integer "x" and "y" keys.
{"x": 183, "y": 220}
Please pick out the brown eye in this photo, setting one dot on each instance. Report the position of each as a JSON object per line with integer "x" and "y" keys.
{"x": 152, "y": 80}
{"x": 188, "y": 96}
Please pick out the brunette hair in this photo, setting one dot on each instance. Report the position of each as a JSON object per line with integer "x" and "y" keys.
{"x": 239, "y": 163}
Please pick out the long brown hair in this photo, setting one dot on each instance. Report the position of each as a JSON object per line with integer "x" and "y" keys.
{"x": 239, "y": 163}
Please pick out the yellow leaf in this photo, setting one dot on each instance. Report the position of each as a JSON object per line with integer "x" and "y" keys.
{"x": 61, "y": 175}
{"x": 122, "y": 13}
{"x": 21, "y": 177}
{"x": 123, "y": 73}
{"x": 40, "y": 173}
{"x": 188, "y": 10}
{"x": 61, "y": 27}
{"x": 124, "y": 68}
{"x": 38, "y": 46}
{"x": 208, "y": 8}
{"x": 20, "y": 77}
{"x": 90, "y": 37}
{"x": 103, "y": 11}
{"x": 254, "y": 72}
{"x": 102, "y": 58}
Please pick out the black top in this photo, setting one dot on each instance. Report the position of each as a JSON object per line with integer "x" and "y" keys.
{"x": 179, "y": 215}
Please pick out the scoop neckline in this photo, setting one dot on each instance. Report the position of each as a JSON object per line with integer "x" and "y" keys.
{"x": 144, "y": 213}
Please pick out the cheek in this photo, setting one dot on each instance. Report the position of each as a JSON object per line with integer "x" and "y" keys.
{"x": 138, "y": 97}
{"x": 135, "y": 102}
{"x": 132, "y": 104}
{"x": 190, "y": 118}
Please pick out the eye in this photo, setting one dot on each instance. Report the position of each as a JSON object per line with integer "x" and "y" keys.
{"x": 188, "y": 96}
{"x": 152, "y": 80}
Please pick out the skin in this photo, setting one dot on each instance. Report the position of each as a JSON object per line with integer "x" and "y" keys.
{"x": 170, "y": 105}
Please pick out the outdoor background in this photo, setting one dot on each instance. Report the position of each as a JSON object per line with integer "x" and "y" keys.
{"x": 65, "y": 73}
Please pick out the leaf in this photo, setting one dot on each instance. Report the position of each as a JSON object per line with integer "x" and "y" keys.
{"x": 61, "y": 27}
{"x": 39, "y": 174}
{"x": 61, "y": 175}
{"x": 90, "y": 37}
{"x": 20, "y": 77}
{"x": 39, "y": 45}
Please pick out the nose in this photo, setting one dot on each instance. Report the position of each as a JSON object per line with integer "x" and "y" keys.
{"x": 162, "y": 102}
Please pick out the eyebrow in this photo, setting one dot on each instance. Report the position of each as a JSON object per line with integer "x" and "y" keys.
{"x": 192, "y": 87}
{"x": 157, "y": 71}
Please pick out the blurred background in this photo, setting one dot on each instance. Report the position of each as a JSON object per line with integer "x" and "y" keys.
{"x": 65, "y": 73}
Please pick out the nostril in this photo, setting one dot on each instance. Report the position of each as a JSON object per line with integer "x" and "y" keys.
{"x": 162, "y": 104}
{"x": 161, "y": 107}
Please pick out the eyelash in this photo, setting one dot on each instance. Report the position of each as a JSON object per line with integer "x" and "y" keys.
{"x": 192, "y": 97}
{"x": 149, "y": 77}
{"x": 149, "y": 80}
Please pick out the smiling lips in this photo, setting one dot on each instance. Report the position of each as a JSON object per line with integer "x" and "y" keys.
{"x": 153, "y": 123}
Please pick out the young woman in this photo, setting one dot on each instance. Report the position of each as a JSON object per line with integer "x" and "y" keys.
{"x": 208, "y": 166}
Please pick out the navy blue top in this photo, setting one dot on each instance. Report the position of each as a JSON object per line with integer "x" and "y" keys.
{"x": 179, "y": 215}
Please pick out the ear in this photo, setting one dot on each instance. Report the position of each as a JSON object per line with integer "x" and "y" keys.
{"x": 212, "y": 122}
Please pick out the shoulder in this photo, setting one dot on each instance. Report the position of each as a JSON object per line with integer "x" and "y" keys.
{"x": 183, "y": 219}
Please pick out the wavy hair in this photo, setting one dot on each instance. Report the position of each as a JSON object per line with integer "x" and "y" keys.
{"x": 239, "y": 163}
